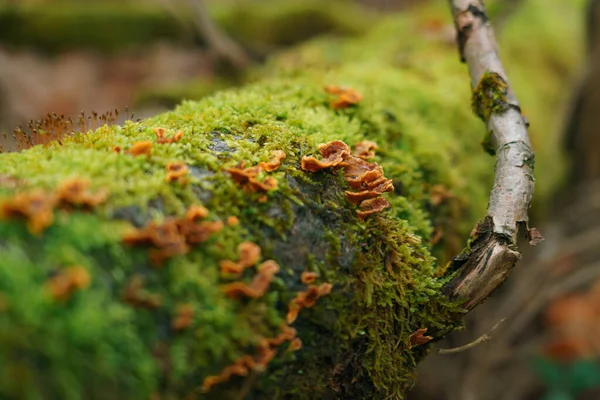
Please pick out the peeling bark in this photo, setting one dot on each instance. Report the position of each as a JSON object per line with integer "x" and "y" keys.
{"x": 492, "y": 252}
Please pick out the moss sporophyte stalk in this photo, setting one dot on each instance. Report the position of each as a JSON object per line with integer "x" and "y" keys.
{"x": 190, "y": 255}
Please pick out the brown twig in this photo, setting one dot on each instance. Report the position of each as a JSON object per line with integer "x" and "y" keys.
{"x": 481, "y": 339}
{"x": 222, "y": 44}
{"x": 492, "y": 253}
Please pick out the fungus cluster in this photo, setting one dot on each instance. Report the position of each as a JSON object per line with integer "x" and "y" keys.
{"x": 176, "y": 171}
{"x": 346, "y": 97}
{"x": 249, "y": 177}
{"x": 249, "y": 254}
{"x": 417, "y": 338}
{"x": 174, "y": 236}
{"x": 367, "y": 179}
{"x": 161, "y": 137}
{"x": 259, "y": 284}
{"x": 68, "y": 280}
{"x": 184, "y": 316}
{"x": 365, "y": 149}
{"x": 267, "y": 349}
{"x": 37, "y": 206}
{"x": 306, "y": 299}
{"x": 141, "y": 148}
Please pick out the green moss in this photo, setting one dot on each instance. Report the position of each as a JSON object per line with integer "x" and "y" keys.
{"x": 386, "y": 281}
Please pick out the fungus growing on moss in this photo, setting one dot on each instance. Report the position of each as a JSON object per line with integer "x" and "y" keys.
{"x": 308, "y": 277}
{"x": 141, "y": 148}
{"x": 135, "y": 295}
{"x": 346, "y": 97}
{"x": 275, "y": 162}
{"x": 162, "y": 139}
{"x": 248, "y": 253}
{"x": 265, "y": 353}
{"x": 306, "y": 299}
{"x": 232, "y": 220}
{"x": 259, "y": 285}
{"x": 195, "y": 212}
{"x": 172, "y": 237}
{"x": 360, "y": 175}
{"x": 199, "y": 232}
{"x": 417, "y": 338}
{"x": 296, "y": 344}
{"x": 247, "y": 178}
{"x": 64, "y": 283}
{"x": 333, "y": 154}
{"x": 36, "y": 207}
{"x": 166, "y": 240}
{"x": 184, "y": 317}
{"x": 75, "y": 193}
{"x": 365, "y": 149}
{"x": 372, "y": 206}
{"x": 176, "y": 170}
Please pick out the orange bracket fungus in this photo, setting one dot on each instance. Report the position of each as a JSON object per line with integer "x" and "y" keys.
{"x": 62, "y": 285}
{"x": 267, "y": 349}
{"x": 249, "y": 254}
{"x": 346, "y": 97}
{"x": 306, "y": 299}
{"x": 174, "y": 235}
{"x": 259, "y": 285}
{"x": 365, "y": 177}
{"x": 36, "y": 207}
{"x": 141, "y": 148}
{"x": 176, "y": 170}
{"x": 162, "y": 139}
{"x": 75, "y": 193}
{"x": 365, "y": 149}
{"x": 417, "y": 338}
{"x": 183, "y": 317}
{"x": 308, "y": 277}
{"x": 248, "y": 178}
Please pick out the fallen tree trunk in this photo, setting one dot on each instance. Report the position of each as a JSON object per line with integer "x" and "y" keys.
{"x": 212, "y": 252}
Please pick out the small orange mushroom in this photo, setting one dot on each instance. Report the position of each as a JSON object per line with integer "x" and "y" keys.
{"x": 417, "y": 338}
{"x": 67, "y": 281}
{"x": 275, "y": 162}
{"x": 346, "y": 96}
{"x": 259, "y": 285}
{"x": 74, "y": 192}
{"x": 36, "y": 207}
{"x": 141, "y": 148}
{"x": 176, "y": 170}
{"x": 306, "y": 299}
{"x": 183, "y": 318}
{"x": 308, "y": 277}
{"x": 365, "y": 149}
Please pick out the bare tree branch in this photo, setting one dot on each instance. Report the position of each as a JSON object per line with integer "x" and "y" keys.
{"x": 481, "y": 339}
{"x": 223, "y": 45}
{"x": 492, "y": 251}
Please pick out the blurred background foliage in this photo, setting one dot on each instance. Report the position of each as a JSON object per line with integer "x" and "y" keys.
{"x": 66, "y": 56}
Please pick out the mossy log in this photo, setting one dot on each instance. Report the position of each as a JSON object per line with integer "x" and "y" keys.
{"x": 148, "y": 283}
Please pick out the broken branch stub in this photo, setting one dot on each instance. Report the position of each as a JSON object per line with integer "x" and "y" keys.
{"x": 492, "y": 253}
